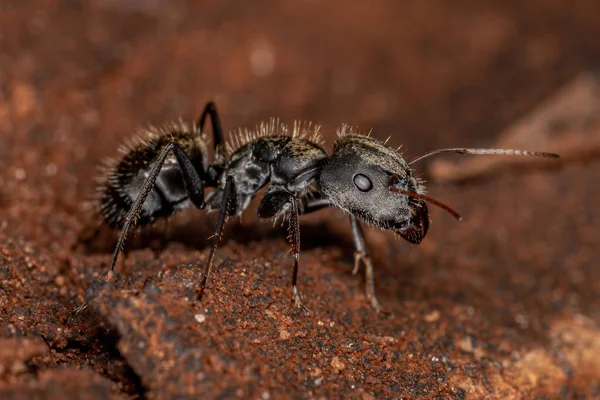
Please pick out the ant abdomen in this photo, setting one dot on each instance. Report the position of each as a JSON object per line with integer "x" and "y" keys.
{"x": 121, "y": 179}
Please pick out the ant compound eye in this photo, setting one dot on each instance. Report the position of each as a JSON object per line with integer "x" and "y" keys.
{"x": 363, "y": 183}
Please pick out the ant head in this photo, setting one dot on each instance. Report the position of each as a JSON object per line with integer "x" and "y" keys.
{"x": 372, "y": 181}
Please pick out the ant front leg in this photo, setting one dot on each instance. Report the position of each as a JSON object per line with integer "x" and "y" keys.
{"x": 314, "y": 201}
{"x": 361, "y": 255}
{"x": 193, "y": 186}
{"x": 228, "y": 207}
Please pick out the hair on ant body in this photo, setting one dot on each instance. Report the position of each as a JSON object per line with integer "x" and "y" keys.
{"x": 121, "y": 180}
{"x": 362, "y": 176}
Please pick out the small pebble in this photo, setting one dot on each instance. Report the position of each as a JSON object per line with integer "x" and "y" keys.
{"x": 337, "y": 364}
{"x": 284, "y": 334}
{"x": 200, "y": 318}
{"x": 432, "y": 316}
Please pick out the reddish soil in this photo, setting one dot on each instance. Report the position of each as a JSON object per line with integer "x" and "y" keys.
{"x": 501, "y": 305}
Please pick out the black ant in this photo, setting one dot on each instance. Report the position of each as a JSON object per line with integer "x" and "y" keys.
{"x": 169, "y": 171}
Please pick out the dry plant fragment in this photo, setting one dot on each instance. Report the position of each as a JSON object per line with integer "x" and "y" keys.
{"x": 567, "y": 123}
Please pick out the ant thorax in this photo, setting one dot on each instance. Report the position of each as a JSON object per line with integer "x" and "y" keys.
{"x": 290, "y": 163}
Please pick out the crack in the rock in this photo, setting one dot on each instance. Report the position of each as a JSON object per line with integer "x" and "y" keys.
{"x": 104, "y": 344}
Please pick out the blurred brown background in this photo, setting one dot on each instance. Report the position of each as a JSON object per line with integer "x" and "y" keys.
{"x": 504, "y": 304}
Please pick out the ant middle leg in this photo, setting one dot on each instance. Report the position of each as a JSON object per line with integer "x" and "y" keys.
{"x": 274, "y": 202}
{"x": 228, "y": 207}
{"x": 294, "y": 238}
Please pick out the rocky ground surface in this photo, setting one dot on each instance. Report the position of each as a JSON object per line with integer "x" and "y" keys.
{"x": 501, "y": 305}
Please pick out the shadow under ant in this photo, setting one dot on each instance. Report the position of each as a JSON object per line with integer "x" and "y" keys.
{"x": 99, "y": 239}
{"x": 196, "y": 234}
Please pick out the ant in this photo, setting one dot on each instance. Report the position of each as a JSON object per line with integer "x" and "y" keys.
{"x": 168, "y": 170}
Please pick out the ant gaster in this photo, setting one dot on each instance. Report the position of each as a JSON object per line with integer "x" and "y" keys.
{"x": 169, "y": 170}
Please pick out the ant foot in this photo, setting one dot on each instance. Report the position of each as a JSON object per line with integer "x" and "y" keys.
{"x": 358, "y": 257}
{"x": 298, "y": 301}
{"x": 108, "y": 276}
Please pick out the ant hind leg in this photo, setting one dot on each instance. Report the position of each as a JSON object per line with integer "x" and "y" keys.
{"x": 218, "y": 140}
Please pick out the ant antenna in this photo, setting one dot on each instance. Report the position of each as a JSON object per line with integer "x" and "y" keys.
{"x": 423, "y": 197}
{"x": 507, "y": 152}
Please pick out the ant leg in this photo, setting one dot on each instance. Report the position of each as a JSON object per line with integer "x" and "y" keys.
{"x": 228, "y": 207}
{"x": 294, "y": 238}
{"x": 273, "y": 203}
{"x": 193, "y": 185}
{"x": 311, "y": 202}
{"x": 218, "y": 142}
{"x": 360, "y": 254}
